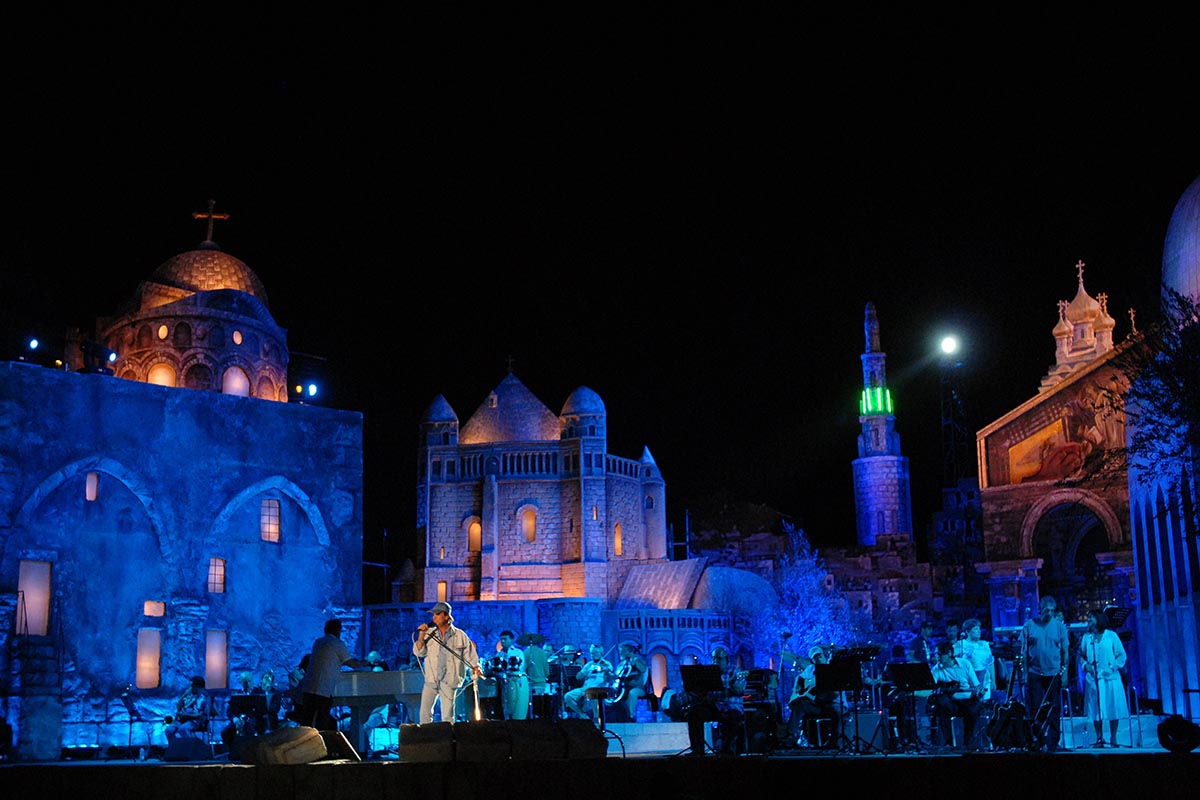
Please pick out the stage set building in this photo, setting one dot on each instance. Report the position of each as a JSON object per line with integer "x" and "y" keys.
{"x": 167, "y": 513}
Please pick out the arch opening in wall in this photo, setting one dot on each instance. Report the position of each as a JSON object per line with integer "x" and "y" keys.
{"x": 618, "y": 544}
{"x": 528, "y": 517}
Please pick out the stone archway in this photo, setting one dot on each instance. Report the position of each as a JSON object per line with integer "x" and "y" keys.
{"x": 1066, "y": 529}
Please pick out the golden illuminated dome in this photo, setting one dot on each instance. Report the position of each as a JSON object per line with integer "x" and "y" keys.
{"x": 206, "y": 269}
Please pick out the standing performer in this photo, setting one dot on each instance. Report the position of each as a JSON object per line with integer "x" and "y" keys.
{"x": 449, "y": 659}
{"x": 1101, "y": 657}
{"x": 1045, "y": 645}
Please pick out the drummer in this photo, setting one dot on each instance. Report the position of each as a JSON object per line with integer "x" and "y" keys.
{"x": 510, "y": 665}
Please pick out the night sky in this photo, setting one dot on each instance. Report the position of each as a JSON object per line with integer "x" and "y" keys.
{"x": 688, "y": 216}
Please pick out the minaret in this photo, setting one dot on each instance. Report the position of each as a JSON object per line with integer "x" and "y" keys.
{"x": 882, "y": 494}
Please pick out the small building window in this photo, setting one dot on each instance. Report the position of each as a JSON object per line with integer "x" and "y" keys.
{"x": 92, "y": 488}
{"x": 268, "y": 520}
{"x": 235, "y": 382}
{"x": 649, "y": 502}
{"x": 216, "y": 660}
{"x": 474, "y": 537}
{"x": 163, "y": 331}
{"x": 149, "y": 657}
{"x": 154, "y": 608}
{"x": 161, "y": 375}
{"x": 595, "y": 513}
{"x": 617, "y": 540}
{"x": 529, "y": 524}
{"x": 216, "y": 575}
{"x": 33, "y": 598}
{"x": 237, "y": 337}
{"x": 441, "y": 591}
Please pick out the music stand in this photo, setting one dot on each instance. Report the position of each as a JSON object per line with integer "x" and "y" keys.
{"x": 247, "y": 705}
{"x": 909, "y": 678}
{"x": 699, "y": 680}
{"x": 843, "y": 676}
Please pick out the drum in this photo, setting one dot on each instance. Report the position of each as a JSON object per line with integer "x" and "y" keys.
{"x": 516, "y": 697}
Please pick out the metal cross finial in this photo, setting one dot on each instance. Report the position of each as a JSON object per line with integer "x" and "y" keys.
{"x": 1079, "y": 269}
{"x": 1062, "y": 309}
{"x": 210, "y": 216}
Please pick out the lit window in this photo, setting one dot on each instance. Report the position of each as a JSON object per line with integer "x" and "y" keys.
{"x": 492, "y": 400}
{"x": 33, "y": 598}
{"x": 617, "y": 539}
{"x": 441, "y": 590}
{"x": 235, "y": 382}
{"x": 268, "y": 520}
{"x": 237, "y": 337}
{"x": 154, "y": 608}
{"x": 162, "y": 331}
{"x": 161, "y": 375}
{"x": 216, "y": 660}
{"x": 216, "y": 575}
{"x": 474, "y": 537}
{"x": 529, "y": 524}
{"x": 595, "y": 513}
{"x": 92, "y": 490}
{"x": 149, "y": 650}
{"x": 442, "y": 554}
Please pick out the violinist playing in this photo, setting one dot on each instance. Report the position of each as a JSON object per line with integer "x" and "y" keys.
{"x": 957, "y": 696}
{"x": 631, "y": 678}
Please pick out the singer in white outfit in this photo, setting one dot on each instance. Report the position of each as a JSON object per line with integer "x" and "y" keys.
{"x": 1102, "y": 656}
{"x": 437, "y": 645}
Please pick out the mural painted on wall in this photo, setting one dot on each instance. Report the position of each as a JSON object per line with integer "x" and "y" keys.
{"x": 1065, "y": 448}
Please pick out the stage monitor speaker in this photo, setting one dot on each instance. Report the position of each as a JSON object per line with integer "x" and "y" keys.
{"x": 872, "y": 729}
{"x": 1178, "y": 735}
{"x": 295, "y": 745}
{"x": 187, "y": 748}
{"x": 584, "y": 739}
{"x": 536, "y": 739}
{"x": 337, "y": 746}
{"x": 485, "y": 740}
{"x": 433, "y": 741}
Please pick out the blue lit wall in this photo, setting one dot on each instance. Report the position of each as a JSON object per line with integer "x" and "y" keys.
{"x": 182, "y": 474}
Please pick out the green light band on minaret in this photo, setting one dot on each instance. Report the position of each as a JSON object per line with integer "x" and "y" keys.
{"x": 875, "y": 401}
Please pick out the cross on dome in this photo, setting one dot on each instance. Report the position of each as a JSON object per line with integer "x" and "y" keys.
{"x": 210, "y": 216}
{"x": 1079, "y": 269}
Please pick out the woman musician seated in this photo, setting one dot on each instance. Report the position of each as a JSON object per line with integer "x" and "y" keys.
{"x": 958, "y": 695}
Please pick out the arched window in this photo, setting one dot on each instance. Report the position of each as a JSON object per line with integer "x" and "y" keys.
{"x": 529, "y": 524}
{"x": 161, "y": 375}
{"x": 617, "y": 540}
{"x": 474, "y": 536}
{"x": 235, "y": 382}
{"x": 268, "y": 520}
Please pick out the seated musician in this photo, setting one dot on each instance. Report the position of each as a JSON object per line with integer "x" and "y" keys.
{"x": 596, "y": 673}
{"x": 808, "y": 705}
{"x": 957, "y": 696}
{"x": 631, "y": 673}
{"x": 191, "y": 711}
{"x": 724, "y": 707}
{"x": 242, "y": 725}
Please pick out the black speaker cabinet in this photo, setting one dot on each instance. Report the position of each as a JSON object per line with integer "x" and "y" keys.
{"x": 584, "y": 739}
{"x": 187, "y": 748}
{"x": 486, "y": 740}
{"x": 337, "y": 746}
{"x": 536, "y": 739}
{"x": 433, "y": 741}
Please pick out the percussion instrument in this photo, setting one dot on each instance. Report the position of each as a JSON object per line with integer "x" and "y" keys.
{"x": 516, "y": 697}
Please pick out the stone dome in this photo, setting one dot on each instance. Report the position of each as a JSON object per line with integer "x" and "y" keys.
{"x": 511, "y": 413}
{"x": 439, "y": 411}
{"x": 1181, "y": 249}
{"x": 206, "y": 269}
{"x": 583, "y": 401}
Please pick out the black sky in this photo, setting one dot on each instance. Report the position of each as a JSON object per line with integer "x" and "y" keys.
{"x": 686, "y": 215}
